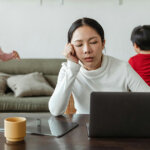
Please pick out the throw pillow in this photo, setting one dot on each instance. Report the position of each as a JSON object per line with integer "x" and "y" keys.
{"x": 3, "y": 83}
{"x": 33, "y": 84}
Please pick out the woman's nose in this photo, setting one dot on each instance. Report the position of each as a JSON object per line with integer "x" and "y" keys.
{"x": 86, "y": 49}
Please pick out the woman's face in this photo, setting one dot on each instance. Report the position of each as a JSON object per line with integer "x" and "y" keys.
{"x": 88, "y": 47}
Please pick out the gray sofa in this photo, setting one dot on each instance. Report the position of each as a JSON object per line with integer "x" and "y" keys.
{"x": 49, "y": 67}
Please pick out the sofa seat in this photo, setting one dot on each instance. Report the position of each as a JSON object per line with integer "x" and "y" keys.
{"x": 10, "y": 103}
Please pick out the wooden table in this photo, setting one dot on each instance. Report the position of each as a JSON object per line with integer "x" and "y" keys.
{"x": 77, "y": 139}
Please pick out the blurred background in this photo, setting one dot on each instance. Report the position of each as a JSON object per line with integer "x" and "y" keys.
{"x": 38, "y": 28}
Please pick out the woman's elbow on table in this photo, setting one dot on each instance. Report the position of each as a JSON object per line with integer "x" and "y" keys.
{"x": 53, "y": 110}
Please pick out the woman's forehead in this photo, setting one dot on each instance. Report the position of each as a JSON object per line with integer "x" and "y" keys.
{"x": 84, "y": 33}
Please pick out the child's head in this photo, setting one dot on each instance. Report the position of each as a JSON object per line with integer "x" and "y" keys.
{"x": 140, "y": 38}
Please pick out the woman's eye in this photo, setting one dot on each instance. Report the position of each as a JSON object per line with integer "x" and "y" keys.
{"x": 79, "y": 45}
{"x": 94, "y": 42}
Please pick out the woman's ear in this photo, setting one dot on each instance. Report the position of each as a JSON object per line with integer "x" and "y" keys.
{"x": 103, "y": 43}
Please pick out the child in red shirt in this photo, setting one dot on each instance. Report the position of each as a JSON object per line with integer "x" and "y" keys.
{"x": 140, "y": 38}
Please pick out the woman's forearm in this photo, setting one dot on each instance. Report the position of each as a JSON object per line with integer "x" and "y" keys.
{"x": 60, "y": 98}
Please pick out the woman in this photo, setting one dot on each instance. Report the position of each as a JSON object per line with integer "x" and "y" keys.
{"x": 87, "y": 69}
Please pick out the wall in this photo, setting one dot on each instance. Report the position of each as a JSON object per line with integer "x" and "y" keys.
{"x": 40, "y": 31}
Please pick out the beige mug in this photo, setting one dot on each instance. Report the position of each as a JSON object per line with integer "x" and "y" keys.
{"x": 15, "y": 129}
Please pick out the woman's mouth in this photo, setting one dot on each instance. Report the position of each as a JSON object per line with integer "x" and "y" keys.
{"x": 88, "y": 59}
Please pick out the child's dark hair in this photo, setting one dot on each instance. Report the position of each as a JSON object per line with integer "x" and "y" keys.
{"x": 141, "y": 37}
{"x": 89, "y": 22}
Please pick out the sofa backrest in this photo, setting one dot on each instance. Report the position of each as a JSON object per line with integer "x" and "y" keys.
{"x": 49, "y": 67}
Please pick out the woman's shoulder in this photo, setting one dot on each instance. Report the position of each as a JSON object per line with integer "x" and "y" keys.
{"x": 116, "y": 63}
{"x": 112, "y": 59}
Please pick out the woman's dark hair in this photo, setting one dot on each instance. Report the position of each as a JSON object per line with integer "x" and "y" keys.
{"x": 86, "y": 21}
{"x": 141, "y": 37}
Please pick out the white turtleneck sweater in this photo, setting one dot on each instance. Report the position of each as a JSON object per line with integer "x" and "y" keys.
{"x": 113, "y": 75}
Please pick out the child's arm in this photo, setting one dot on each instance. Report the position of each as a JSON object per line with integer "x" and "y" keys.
{"x": 8, "y": 56}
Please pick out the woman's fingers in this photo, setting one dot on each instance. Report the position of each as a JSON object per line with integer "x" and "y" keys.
{"x": 69, "y": 53}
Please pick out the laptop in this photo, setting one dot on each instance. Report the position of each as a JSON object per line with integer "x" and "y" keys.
{"x": 119, "y": 114}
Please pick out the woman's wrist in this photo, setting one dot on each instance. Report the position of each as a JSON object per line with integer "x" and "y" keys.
{"x": 73, "y": 66}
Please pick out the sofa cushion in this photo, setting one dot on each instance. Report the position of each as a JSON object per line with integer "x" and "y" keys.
{"x": 3, "y": 83}
{"x": 32, "y": 84}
